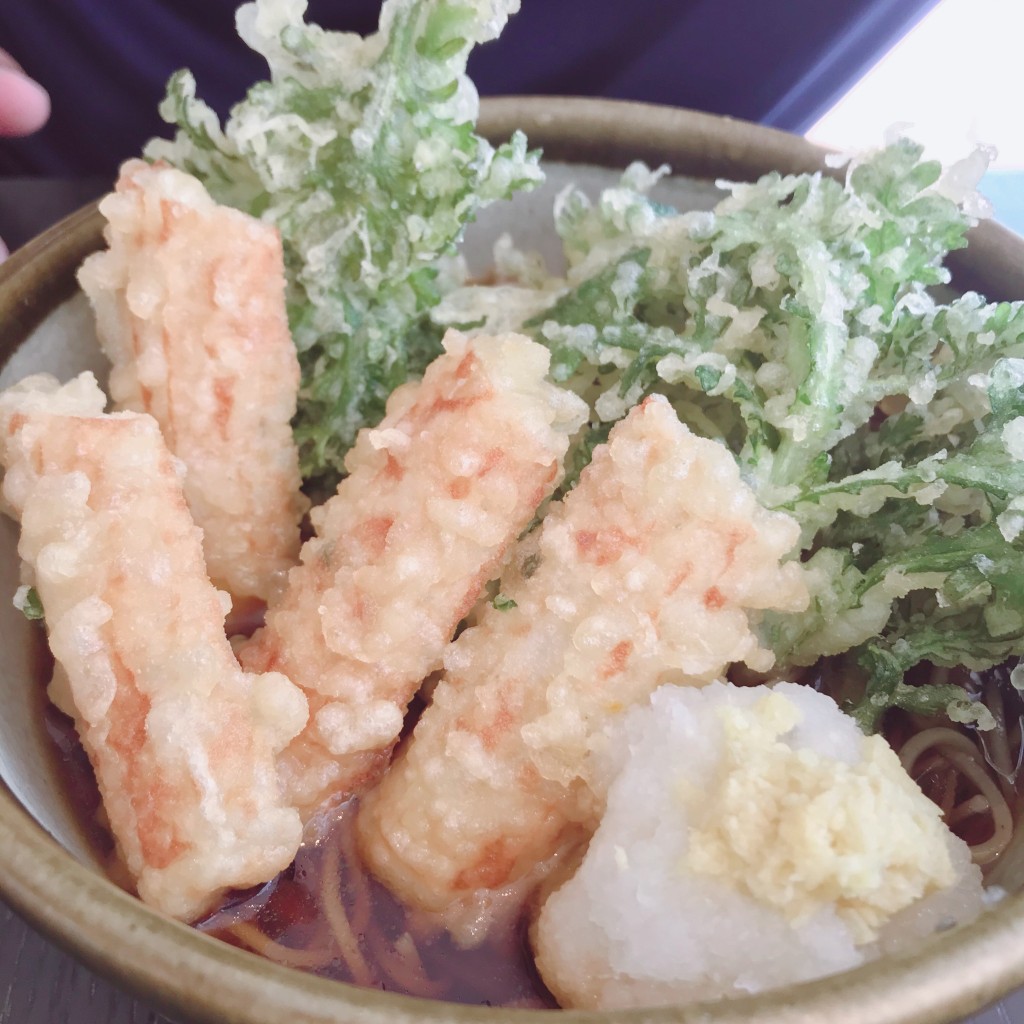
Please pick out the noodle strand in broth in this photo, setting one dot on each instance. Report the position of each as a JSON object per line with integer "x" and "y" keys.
{"x": 338, "y": 916}
{"x": 968, "y": 760}
{"x": 251, "y": 936}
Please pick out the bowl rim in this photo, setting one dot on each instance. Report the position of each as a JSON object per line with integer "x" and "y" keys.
{"x": 187, "y": 973}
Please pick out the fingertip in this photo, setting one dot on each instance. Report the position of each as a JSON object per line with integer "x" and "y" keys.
{"x": 24, "y": 104}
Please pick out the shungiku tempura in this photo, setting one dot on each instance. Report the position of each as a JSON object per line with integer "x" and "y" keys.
{"x": 435, "y": 496}
{"x": 182, "y": 741}
{"x": 189, "y": 299}
{"x": 753, "y": 838}
{"x": 654, "y": 568}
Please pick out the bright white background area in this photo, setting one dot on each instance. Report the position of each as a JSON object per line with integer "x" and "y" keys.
{"x": 957, "y": 78}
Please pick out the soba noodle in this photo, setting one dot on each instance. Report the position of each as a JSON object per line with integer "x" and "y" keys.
{"x": 970, "y": 778}
{"x": 250, "y": 936}
{"x": 346, "y": 924}
{"x": 326, "y": 915}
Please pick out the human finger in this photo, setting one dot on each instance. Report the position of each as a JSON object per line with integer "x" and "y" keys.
{"x": 24, "y": 103}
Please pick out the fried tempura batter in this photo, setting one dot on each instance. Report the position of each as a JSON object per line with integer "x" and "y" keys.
{"x": 433, "y": 500}
{"x": 190, "y": 309}
{"x": 652, "y": 570}
{"x": 181, "y": 740}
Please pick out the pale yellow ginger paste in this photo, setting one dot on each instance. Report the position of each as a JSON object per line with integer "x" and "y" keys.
{"x": 800, "y": 831}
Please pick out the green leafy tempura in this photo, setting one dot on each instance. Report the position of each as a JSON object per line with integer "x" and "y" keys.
{"x": 27, "y": 601}
{"x": 362, "y": 152}
{"x": 796, "y": 324}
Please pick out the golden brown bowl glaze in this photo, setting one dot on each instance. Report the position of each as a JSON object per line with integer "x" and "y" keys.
{"x": 192, "y": 975}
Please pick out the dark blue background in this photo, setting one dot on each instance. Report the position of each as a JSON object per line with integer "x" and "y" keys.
{"x": 779, "y": 62}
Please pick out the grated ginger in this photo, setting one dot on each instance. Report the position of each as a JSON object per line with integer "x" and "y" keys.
{"x": 800, "y": 831}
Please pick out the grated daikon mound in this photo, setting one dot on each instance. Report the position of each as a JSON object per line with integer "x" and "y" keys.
{"x": 753, "y": 838}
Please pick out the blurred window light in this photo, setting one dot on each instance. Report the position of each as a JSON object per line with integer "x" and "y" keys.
{"x": 955, "y": 80}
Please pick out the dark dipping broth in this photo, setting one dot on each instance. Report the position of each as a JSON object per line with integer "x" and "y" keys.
{"x": 348, "y": 927}
{"x": 326, "y": 915}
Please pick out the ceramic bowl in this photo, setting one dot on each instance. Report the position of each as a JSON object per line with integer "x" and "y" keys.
{"x": 50, "y": 875}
